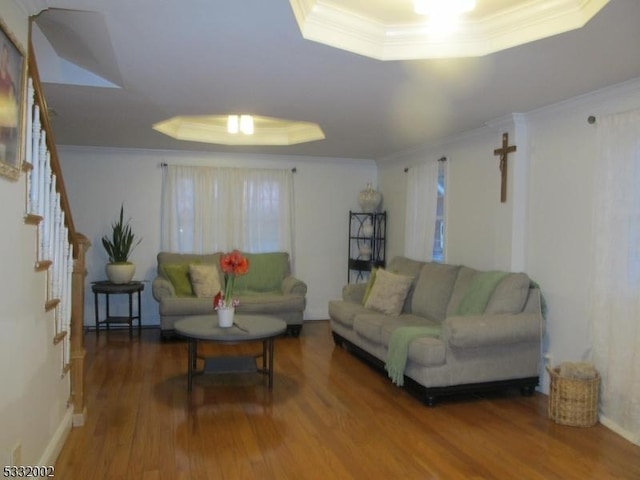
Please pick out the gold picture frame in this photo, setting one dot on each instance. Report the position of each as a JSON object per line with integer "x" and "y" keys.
{"x": 13, "y": 83}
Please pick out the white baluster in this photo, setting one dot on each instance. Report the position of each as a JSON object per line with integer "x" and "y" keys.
{"x": 52, "y": 218}
{"x": 44, "y": 224}
{"x": 56, "y": 257}
{"x": 45, "y": 171}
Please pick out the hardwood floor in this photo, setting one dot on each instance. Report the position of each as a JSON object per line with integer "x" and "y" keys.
{"x": 329, "y": 416}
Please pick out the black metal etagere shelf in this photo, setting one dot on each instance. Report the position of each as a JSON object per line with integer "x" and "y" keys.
{"x": 367, "y": 244}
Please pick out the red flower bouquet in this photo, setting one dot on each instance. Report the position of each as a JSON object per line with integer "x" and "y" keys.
{"x": 232, "y": 264}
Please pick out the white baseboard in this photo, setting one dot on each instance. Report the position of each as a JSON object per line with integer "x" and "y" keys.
{"x": 54, "y": 447}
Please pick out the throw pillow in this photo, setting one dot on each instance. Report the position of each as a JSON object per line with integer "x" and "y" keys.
{"x": 388, "y": 292}
{"x": 370, "y": 282}
{"x": 178, "y": 275}
{"x": 265, "y": 275}
{"x": 205, "y": 280}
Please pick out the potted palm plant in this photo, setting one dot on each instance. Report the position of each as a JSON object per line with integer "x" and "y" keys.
{"x": 118, "y": 247}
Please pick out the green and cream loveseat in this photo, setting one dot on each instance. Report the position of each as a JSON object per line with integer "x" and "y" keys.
{"x": 186, "y": 284}
{"x": 468, "y": 330}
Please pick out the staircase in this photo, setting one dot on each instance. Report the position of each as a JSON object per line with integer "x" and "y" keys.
{"x": 60, "y": 249}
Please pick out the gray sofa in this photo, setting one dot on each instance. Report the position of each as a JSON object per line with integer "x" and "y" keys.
{"x": 268, "y": 288}
{"x": 496, "y": 347}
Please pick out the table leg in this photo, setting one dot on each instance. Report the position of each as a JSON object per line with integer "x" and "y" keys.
{"x": 130, "y": 314}
{"x": 108, "y": 314}
{"x": 95, "y": 306}
{"x": 271, "y": 350}
{"x": 139, "y": 315}
{"x": 191, "y": 360}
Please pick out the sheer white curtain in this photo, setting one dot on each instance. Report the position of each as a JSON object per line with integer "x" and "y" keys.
{"x": 208, "y": 209}
{"x": 422, "y": 202}
{"x": 615, "y": 322}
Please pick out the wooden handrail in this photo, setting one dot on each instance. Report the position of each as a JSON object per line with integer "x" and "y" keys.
{"x": 79, "y": 243}
{"x": 51, "y": 146}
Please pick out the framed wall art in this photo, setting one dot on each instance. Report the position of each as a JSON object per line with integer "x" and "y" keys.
{"x": 13, "y": 81}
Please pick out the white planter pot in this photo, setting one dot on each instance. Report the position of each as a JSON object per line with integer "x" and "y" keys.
{"x": 225, "y": 317}
{"x": 120, "y": 272}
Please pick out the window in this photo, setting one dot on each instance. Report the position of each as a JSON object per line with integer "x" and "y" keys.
{"x": 208, "y": 209}
{"x": 424, "y": 221}
{"x": 438, "y": 237}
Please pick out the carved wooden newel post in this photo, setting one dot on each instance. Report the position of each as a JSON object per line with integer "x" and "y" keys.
{"x": 77, "y": 330}
{"x": 503, "y": 152}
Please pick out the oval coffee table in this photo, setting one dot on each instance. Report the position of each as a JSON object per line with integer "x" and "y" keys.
{"x": 246, "y": 328}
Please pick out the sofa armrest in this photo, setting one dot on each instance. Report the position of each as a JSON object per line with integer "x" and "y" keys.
{"x": 161, "y": 287}
{"x": 353, "y": 292}
{"x": 294, "y": 286}
{"x": 490, "y": 330}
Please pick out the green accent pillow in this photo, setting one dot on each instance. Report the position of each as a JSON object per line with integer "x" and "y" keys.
{"x": 266, "y": 272}
{"x": 370, "y": 282}
{"x": 178, "y": 275}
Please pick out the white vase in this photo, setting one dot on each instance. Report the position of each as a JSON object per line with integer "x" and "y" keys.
{"x": 365, "y": 252}
{"x": 367, "y": 228}
{"x": 225, "y": 317}
{"x": 369, "y": 199}
{"x": 120, "y": 272}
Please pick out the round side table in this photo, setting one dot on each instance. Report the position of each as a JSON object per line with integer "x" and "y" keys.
{"x": 107, "y": 288}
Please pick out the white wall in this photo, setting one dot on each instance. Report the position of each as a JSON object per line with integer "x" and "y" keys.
{"x": 99, "y": 180}
{"x": 563, "y": 156}
{"x": 557, "y": 148}
{"x": 33, "y": 411}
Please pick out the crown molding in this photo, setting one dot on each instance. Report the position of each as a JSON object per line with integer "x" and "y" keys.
{"x": 332, "y": 23}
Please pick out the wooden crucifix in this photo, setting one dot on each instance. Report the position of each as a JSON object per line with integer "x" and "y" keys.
{"x": 503, "y": 152}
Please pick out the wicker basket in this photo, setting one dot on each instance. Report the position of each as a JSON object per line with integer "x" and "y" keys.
{"x": 573, "y": 401}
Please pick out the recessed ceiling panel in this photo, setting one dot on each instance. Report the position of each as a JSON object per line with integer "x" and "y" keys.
{"x": 390, "y": 30}
{"x": 213, "y": 129}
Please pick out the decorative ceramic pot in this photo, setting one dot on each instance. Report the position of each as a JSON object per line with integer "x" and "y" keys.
{"x": 367, "y": 228}
{"x": 225, "y": 317}
{"x": 120, "y": 272}
{"x": 369, "y": 199}
{"x": 365, "y": 252}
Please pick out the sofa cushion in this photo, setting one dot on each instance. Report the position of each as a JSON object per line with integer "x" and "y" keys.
{"x": 463, "y": 280}
{"x": 344, "y": 312}
{"x": 370, "y": 325}
{"x": 266, "y": 272}
{"x": 426, "y": 351}
{"x": 433, "y": 290}
{"x": 178, "y": 275}
{"x": 204, "y": 280}
{"x": 388, "y": 292}
{"x": 510, "y": 295}
{"x": 264, "y": 304}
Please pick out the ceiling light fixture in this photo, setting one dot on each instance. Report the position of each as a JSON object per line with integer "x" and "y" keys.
{"x": 240, "y": 124}
{"x": 391, "y": 30}
{"x": 225, "y": 130}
